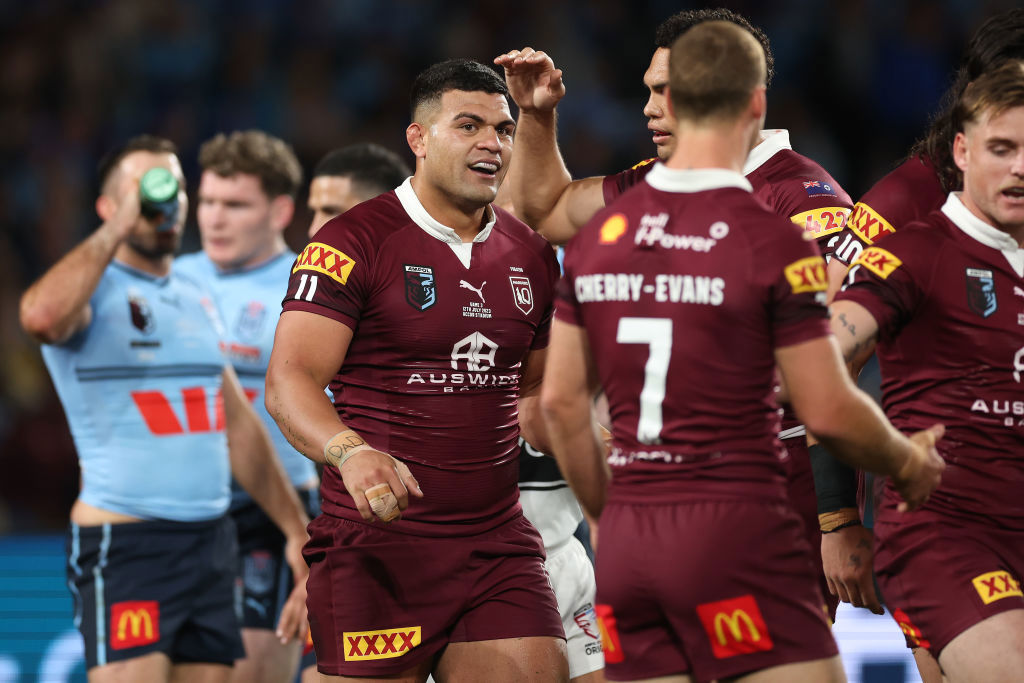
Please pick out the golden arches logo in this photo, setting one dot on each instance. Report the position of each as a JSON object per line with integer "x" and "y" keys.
{"x": 732, "y": 622}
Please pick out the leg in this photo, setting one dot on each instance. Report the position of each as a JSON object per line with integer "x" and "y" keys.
{"x": 592, "y": 677}
{"x": 538, "y": 659}
{"x": 267, "y": 660}
{"x": 200, "y": 673}
{"x": 991, "y": 651}
{"x": 310, "y": 675}
{"x": 416, "y": 674}
{"x": 680, "y": 678}
{"x": 152, "y": 667}
{"x": 927, "y": 667}
{"x": 828, "y": 670}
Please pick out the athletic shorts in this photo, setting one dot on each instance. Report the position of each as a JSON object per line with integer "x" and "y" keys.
{"x": 265, "y": 577}
{"x": 572, "y": 577}
{"x": 940, "y": 576}
{"x": 156, "y": 586}
{"x": 710, "y": 588}
{"x": 381, "y": 602}
{"x": 800, "y": 489}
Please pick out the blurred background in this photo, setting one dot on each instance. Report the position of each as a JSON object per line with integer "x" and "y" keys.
{"x": 856, "y": 81}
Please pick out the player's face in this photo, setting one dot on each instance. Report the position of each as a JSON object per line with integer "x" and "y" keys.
{"x": 330, "y": 196}
{"x": 145, "y": 238}
{"x": 467, "y": 147}
{"x": 660, "y": 121}
{"x": 991, "y": 155}
{"x": 239, "y": 225}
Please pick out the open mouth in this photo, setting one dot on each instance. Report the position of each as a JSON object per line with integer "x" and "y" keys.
{"x": 1014, "y": 192}
{"x": 487, "y": 169}
{"x": 660, "y": 137}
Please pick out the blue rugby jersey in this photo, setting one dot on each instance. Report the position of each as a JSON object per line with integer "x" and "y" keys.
{"x": 249, "y": 303}
{"x": 141, "y": 390}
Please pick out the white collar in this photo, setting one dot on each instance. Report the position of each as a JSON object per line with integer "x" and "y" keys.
{"x": 412, "y": 205}
{"x": 666, "y": 179}
{"x": 772, "y": 142}
{"x": 981, "y": 231}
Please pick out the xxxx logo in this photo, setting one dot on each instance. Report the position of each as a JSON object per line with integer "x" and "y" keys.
{"x": 879, "y": 261}
{"x": 325, "y": 259}
{"x": 868, "y": 225}
{"x": 807, "y": 275}
{"x": 386, "y": 644}
{"x": 996, "y": 586}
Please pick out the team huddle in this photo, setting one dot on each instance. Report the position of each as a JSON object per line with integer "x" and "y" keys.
{"x": 356, "y": 489}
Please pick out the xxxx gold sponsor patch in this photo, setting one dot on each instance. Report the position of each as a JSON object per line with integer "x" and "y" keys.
{"x": 807, "y": 275}
{"x": 325, "y": 259}
{"x": 824, "y": 221}
{"x": 996, "y": 586}
{"x": 868, "y": 225}
{"x": 386, "y": 644}
{"x": 643, "y": 163}
{"x": 612, "y": 228}
{"x": 878, "y": 261}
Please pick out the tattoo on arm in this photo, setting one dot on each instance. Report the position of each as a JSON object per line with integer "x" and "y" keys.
{"x": 859, "y": 345}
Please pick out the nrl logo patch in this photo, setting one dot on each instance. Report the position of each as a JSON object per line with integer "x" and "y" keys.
{"x": 420, "y": 288}
{"x": 141, "y": 314}
{"x": 981, "y": 292}
{"x": 250, "y": 320}
{"x": 522, "y": 293}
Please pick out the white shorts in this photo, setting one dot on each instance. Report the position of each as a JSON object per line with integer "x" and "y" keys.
{"x": 572, "y": 579}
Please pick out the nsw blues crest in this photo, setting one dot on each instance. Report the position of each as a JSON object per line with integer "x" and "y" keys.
{"x": 420, "y": 287}
{"x": 981, "y": 292}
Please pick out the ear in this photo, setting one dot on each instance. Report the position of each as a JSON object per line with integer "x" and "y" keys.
{"x": 759, "y": 103}
{"x": 282, "y": 209}
{"x": 960, "y": 151}
{"x": 416, "y": 136}
{"x": 105, "y": 207}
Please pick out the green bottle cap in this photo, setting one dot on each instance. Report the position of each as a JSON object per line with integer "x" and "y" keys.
{"x": 158, "y": 185}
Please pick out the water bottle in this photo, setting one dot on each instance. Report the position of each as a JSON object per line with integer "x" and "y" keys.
{"x": 158, "y": 197}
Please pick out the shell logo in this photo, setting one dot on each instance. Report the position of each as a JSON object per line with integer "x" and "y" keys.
{"x": 613, "y": 228}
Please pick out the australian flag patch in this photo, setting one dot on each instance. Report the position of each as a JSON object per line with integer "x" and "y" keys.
{"x": 816, "y": 188}
{"x": 981, "y": 292}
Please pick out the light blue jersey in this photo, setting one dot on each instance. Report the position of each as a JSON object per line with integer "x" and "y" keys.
{"x": 249, "y": 302}
{"x": 140, "y": 387}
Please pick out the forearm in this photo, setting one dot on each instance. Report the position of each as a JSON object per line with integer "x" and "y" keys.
{"x": 56, "y": 305}
{"x": 302, "y": 411}
{"x": 578, "y": 447}
{"x": 859, "y": 434}
{"x": 532, "y": 425}
{"x": 835, "y": 484}
{"x": 537, "y": 176}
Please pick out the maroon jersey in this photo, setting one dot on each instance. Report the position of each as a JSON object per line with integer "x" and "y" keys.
{"x": 685, "y": 286}
{"x": 440, "y": 331}
{"x": 908, "y": 193}
{"x": 948, "y": 296}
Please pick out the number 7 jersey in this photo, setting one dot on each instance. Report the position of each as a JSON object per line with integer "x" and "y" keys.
{"x": 685, "y": 285}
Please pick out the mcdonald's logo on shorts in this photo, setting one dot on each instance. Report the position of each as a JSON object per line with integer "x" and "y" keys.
{"x": 610, "y": 642}
{"x": 325, "y": 259}
{"x": 911, "y": 632}
{"x": 996, "y": 586}
{"x": 134, "y": 623}
{"x": 386, "y": 644}
{"x": 735, "y": 627}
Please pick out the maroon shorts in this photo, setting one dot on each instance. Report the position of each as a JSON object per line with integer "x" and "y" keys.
{"x": 381, "y": 602}
{"x": 800, "y": 489}
{"x": 713, "y": 588}
{"x": 941, "y": 576}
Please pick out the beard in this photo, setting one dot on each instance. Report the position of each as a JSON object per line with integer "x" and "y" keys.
{"x": 156, "y": 245}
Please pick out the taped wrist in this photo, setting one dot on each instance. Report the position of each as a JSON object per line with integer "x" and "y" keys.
{"x": 835, "y": 482}
{"x": 840, "y": 519}
{"x": 343, "y": 446}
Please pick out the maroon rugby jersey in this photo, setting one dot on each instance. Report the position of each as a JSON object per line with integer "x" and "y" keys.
{"x": 432, "y": 373}
{"x": 948, "y": 295}
{"x": 685, "y": 286}
{"x": 908, "y": 193}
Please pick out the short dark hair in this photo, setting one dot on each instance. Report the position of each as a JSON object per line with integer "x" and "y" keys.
{"x": 373, "y": 169}
{"x": 140, "y": 143}
{"x": 713, "y": 70}
{"x": 453, "y": 74}
{"x": 997, "y": 40}
{"x": 680, "y": 22}
{"x": 256, "y": 153}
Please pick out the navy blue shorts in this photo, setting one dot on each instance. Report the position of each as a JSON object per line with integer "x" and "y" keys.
{"x": 156, "y": 587}
{"x": 264, "y": 575}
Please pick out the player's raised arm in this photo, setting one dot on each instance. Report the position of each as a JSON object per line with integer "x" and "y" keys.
{"x": 308, "y": 351}
{"x": 541, "y": 190}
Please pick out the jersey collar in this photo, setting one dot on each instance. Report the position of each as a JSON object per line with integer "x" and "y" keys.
{"x": 981, "y": 231}
{"x": 411, "y": 203}
{"x": 666, "y": 179}
{"x": 772, "y": 142}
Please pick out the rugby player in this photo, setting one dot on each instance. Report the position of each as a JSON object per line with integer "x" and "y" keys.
{"x": 426, "y": 374}
{"x": 133, "y": 350}
{"x": 939, "y": 298}
{"x": 246, "y": 200}
{"x": 792, "y": 185}
{"x": 704, "y": 571}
